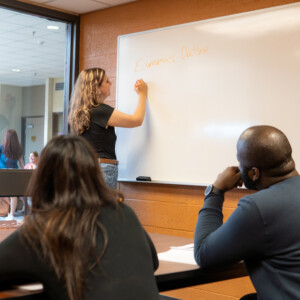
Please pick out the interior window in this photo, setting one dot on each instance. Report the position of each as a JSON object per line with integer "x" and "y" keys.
{"x": 32, "y": 68}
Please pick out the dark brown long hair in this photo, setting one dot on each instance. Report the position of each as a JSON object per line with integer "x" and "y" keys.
{"x": 68, "y": 193}
{"x": 12, "y": 147}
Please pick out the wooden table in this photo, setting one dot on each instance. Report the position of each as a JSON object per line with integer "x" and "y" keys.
{"x": 14, "y": 182}
{"x": 5, "y": 233}
{"x": 170, "y": 275}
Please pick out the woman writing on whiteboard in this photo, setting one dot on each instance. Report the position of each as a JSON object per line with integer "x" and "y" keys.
{"x": 95, "y": 121}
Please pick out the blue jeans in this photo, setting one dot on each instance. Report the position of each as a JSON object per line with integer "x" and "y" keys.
{"x": 110, "y": 174}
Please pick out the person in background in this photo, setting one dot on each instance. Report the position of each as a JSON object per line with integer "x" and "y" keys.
{"x": 96, "y": 121}
{"x": 11, "y": 157}
{"x": 264, "y": 230}
{"x": 81, "y": 241}
{"x": 33, "y": 160}
{"x": 11, "y": 151}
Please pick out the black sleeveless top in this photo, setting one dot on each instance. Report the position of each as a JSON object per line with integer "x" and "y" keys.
{"x": 101, "y": 137}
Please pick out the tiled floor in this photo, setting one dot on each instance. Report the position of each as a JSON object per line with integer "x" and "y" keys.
{"x": 19, "y": 213}
{"x": 19, "y": 218}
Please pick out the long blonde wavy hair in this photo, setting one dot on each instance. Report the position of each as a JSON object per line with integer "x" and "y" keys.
{"x": 85, "y": 96}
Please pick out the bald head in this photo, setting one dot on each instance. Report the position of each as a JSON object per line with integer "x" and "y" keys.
{"x": 266, "y": 148}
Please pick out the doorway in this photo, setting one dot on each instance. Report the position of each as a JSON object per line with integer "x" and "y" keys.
{"x": 32, "y": 135}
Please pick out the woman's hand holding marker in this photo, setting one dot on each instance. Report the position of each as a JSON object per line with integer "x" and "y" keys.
{"x": 141, "y": 87}
{"x": 137, "y": 83}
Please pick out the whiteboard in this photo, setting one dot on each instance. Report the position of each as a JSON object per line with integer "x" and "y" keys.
{"x": 207, "y": 82}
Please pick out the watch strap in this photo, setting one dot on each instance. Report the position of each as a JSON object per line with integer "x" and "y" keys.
{"x": 211, "y": 189}
{"x": 217, "y": 191}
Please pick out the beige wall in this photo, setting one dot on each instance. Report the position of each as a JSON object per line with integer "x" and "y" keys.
{"x": 33, "y": 98}
{"x": 58, "y": 97}
{"x": 10, "y": 109}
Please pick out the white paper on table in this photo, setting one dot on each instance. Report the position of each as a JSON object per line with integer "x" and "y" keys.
{"x": 30, "y": 287}
{"x": 182, "y": 254}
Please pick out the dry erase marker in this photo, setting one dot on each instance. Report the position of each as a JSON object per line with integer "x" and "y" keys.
{"x": 137, "y": 84}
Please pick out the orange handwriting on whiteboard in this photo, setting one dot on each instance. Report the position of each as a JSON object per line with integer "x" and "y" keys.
{"x": 141, "y": 64}
{"x": 187, "y": 52}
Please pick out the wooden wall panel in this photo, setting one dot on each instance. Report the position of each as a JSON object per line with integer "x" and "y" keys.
{"x": 171, "y": 208}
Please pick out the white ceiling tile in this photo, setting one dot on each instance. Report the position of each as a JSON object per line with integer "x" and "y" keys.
{"x": 115, "y": 2}
{"x": 43, "y": 1}
{"x": 27, "y": 44}
{"x": 4, "y": 26}
{"x": 5, "y": 13}
{"x": 12, "y": 35}
{"x": 82, "y": 6}
{"x": 21, "y": 19}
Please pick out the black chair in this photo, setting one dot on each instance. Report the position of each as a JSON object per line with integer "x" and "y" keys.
{"x": 252, "y": 296}
{"x": 164, "y": 297}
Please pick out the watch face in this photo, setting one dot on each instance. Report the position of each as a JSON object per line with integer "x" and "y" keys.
{"x": 208, "y": 190}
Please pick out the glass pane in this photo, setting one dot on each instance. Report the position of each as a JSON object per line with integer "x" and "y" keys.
{"x": 32, "y": 62}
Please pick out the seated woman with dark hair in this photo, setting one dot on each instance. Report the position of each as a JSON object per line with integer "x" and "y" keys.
{"x": 81, "y": 241}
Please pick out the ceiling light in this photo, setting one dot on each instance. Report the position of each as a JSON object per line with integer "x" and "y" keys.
{"x": 52, "y": 27}
{"x": 16, "y": 70}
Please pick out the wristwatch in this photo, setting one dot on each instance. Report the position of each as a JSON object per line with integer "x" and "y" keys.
{"x": 213, "y": 190}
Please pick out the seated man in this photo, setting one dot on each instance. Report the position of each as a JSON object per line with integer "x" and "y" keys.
{"x": 264, "y": 230}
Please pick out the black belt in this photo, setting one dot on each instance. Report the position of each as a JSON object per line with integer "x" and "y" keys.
{"x": 108, "y": 161}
